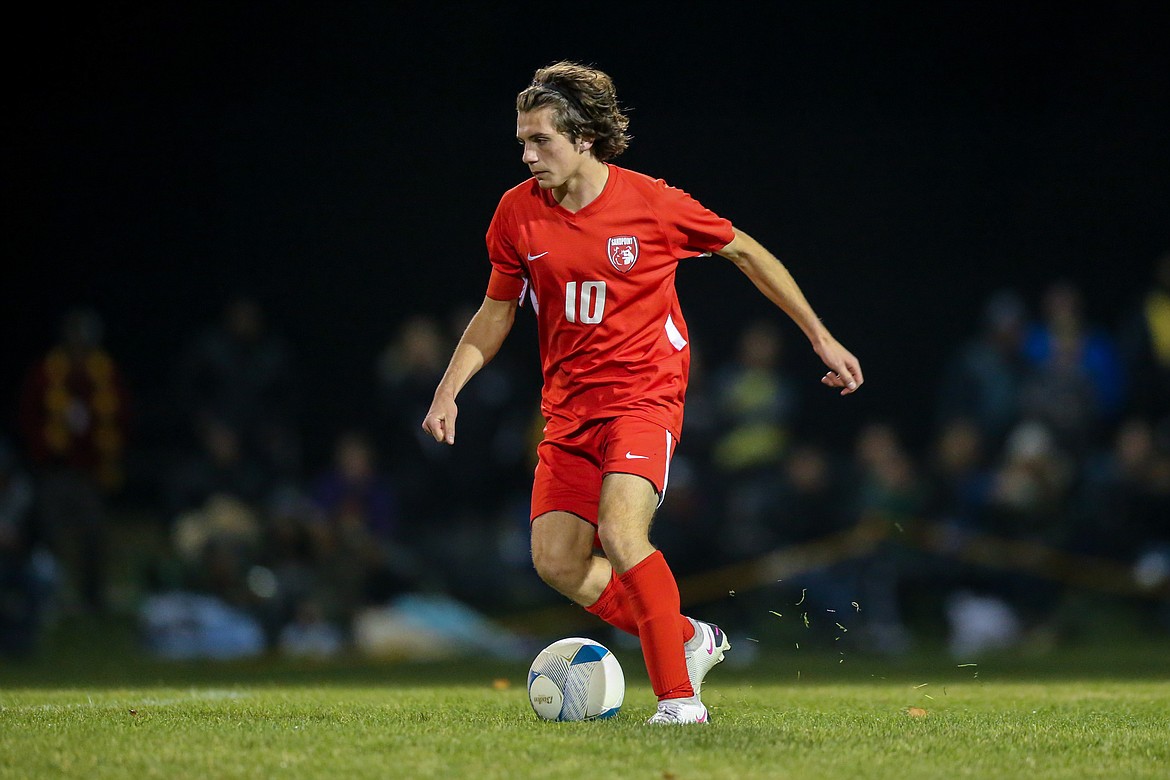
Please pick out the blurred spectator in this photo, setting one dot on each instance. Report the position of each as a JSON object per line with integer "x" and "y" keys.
{"x": 296, "y": 540}
{"x": 887, "y": 481}
{"x": 408, "y": 370}
{"x": 1145, "y": 338}
{"x": 1128, "y": 494}
{"x": 494, "y": 414}
{"x": 960, "y": 481}
{"x": 889, "y": 491}
{"x": 241, "y": 375}
{"x": 1030, "y": 485}
{"x": 801, "y": 502}
{"x": 363, "y": 560}
{"x": 26, "y": 569}
{"x": 1076, "y": 382}
{"x": 1059, "y": 394}
{"x": 982, "y": 381}
{"x": 217, "y": 544}
{"x": 353, "y": 492}
{"x": 219, "y": 467}
{"x": 1030, "y": 489}
{"x": 755, "y": 402}
{"x": 810, "y": 501}
{"x": 73, "y": 411}
{"x": 207, "y": 607}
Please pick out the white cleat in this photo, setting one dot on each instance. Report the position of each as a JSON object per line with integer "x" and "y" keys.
{"x": 708, "y": 653}
{"x": 678, "y": 712}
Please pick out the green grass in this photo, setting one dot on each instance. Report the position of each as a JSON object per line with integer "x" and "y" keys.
{"x": 1069, "y": 714}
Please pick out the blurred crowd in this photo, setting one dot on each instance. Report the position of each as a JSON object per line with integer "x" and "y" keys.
{"x": 1050, "y": 435}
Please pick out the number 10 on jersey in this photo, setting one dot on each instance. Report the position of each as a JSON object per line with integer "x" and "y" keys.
{"x": 591, "y": 306}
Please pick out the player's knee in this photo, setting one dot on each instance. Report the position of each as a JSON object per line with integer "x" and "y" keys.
{"x": 560, "y": 569}
{"x": 623, "y": 545}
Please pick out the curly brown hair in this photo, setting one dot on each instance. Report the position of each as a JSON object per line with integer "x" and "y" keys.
{"x": 584, "y": 103}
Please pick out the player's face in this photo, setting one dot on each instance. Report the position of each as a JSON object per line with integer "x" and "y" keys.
{"x": 549, "y": 154}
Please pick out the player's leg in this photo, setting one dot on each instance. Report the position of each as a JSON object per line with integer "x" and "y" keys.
{"x": 637, "y": 471}
{"x": 565, "y": 498}
{"x": 704, "y": 643}
{"x": 562, "y": 552}
{"x": 565, "y": 491}
{"x": 565, "y": 494}
{"x": 628, "y": 503}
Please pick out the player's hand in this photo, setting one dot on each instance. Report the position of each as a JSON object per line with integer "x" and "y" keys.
{"x": 440, "y": 420}
{"x": 844, "y": 369}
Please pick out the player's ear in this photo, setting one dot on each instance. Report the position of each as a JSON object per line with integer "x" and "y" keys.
{"x": 584, "y": 144}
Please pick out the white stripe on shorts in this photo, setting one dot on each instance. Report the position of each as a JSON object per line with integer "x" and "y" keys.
{"x": 666, "y": 474}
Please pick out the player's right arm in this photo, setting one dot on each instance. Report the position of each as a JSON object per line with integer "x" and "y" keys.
{"x": 480, "y": 343}
{"x": 771, "y": 277}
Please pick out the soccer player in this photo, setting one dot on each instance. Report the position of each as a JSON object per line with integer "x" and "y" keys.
{"x": 595, "y": 247}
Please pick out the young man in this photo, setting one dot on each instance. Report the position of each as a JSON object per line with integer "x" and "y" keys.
{"x": 596, "y": 247}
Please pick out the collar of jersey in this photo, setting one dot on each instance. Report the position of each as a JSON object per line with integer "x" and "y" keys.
{"x": 595, "y": 205}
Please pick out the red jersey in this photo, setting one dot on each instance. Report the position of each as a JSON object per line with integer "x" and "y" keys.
{"x": 612, "y": 337}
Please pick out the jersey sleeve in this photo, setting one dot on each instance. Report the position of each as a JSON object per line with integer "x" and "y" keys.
{"x": 507, "y": 280}
{"x": 690, "y": 226}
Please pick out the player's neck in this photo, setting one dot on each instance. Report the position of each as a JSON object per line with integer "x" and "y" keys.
{"x": 583, "y": 187}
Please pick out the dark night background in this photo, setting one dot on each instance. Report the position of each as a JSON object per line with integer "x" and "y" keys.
{"x": 341, "y": 162}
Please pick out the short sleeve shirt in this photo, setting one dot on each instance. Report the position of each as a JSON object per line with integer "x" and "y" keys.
{"x": 613, "y": 341}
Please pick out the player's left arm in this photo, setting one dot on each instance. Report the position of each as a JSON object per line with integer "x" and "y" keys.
{"x": 776, "y": 283}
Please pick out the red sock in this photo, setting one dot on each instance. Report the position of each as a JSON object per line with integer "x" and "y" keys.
{"x": 613, "y": 606}
{"x": 652, "y": 596}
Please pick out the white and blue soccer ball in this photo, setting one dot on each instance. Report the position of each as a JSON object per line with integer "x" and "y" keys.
{"x": 576, "y": 679}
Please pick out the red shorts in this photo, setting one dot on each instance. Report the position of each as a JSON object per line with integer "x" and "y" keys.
{"x": 569, "y": 469}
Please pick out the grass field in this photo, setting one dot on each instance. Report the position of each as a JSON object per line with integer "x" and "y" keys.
{"x": 1068, "y": 714}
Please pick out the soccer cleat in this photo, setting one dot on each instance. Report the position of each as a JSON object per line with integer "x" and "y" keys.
{"x": 677, "y": 712}
{"x": 708, "y": 652}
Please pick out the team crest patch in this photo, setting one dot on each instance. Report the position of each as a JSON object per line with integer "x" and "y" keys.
{"x": 623, "y": 252}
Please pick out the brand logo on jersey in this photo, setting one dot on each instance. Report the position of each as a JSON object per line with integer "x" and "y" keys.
{"x": 623, "y": 252}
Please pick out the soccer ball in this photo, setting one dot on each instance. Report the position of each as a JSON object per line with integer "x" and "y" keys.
{"x": 576, "y": 679}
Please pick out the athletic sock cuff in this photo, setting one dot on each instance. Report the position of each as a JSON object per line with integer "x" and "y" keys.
{"x": 649, "y": 560}
{"x": 611, "y": 592}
